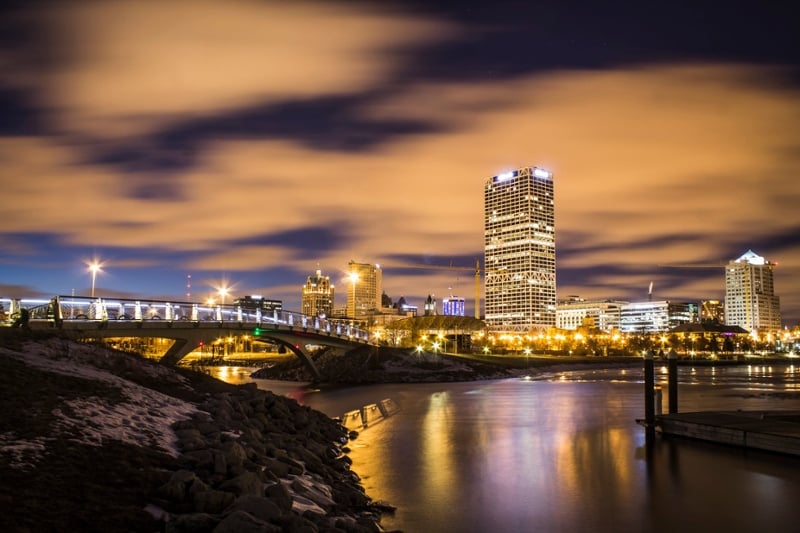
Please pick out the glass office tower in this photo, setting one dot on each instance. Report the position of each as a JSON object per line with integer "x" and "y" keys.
{"x": 520, "y": 251}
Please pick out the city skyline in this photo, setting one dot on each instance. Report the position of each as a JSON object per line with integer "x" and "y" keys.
{"x": 248, "y": 144}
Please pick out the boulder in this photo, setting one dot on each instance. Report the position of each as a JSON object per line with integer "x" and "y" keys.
{"x": 280, "y": 495}
{"x": 246, "y": 484}
{"x": 260, "y": 507}
{"x": 191, "y": 523}
{"x": 242, "y": 522}
{"x": 212, "y": 501}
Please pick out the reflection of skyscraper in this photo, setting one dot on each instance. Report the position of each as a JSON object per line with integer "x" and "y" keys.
{"x": 364, "y": 293}
{"x": 750, "y": 300}
{"x": 317, "y": 295}
{"x": 520, "y": 252}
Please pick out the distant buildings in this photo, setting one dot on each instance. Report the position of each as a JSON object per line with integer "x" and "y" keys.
{"x": 712, "y": 311}
{"x": 576, "y": 312}
{"x": 519, "y": 251}
{"x": 267, "y": 306}
{"x": 365, "y": 291}
{"x": 318, "y": 293}
{"x": 453, "y": 306}
{"x": 750, "y": 300}
{"x": 430, "y": 306}
{"x": 656, "y": 316}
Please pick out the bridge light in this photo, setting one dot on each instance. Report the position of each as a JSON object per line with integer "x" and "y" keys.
{"x": 257, "y": 332}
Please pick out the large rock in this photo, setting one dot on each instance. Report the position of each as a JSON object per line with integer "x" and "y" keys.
{"x": 280, "y": 495}
{"x": 192, "y": 523}
{"x": 242, "y": 522}
{"x": 190, "y": 439}
{"x": 181, "y": 486}
{"x": 212, "y": 501}
{"x": 260, "y": 507}
{"x": 246, "y": 484}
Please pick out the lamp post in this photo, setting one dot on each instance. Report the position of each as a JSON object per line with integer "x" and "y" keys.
{"x": 94, "y": 268}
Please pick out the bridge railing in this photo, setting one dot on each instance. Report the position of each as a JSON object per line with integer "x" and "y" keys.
{"x": 82, "y": 308}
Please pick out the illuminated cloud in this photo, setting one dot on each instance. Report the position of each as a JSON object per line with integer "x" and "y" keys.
{"x": 654, "y": 164}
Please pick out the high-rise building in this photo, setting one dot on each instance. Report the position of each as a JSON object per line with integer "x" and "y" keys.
{"x": 318, "y": 295}
{"x": 366, "y": 288}
{"x": 750, "y": 300}
{"x": 520, "y": 251}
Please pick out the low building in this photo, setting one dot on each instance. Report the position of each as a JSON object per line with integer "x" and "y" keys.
{"x": 251, "y": 303}
{"x": 656, "y": 316}
{"x": 575, "y": 312}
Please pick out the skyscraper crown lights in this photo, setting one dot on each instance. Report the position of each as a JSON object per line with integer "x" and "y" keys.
{"x": 752, "y": 258}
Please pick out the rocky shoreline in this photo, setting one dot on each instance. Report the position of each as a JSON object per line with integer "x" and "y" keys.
{"x": 97, "y": 440}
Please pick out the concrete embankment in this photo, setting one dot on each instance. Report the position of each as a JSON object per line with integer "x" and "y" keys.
{"x": 773, "y": 431}
{"x": 370, "y": 414}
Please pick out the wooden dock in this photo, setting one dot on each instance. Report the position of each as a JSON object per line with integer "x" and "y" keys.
{"x": 773, "y": 431}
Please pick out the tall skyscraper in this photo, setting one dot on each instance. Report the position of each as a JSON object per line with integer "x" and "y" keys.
{"x": 318, "y": 295}
{"x": 750, "y": 300}
{"x": 520, "y": 250}
{"x": 366, "y": 288}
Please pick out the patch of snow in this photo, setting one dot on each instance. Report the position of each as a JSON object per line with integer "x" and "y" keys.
{"x": 142, "y": 419}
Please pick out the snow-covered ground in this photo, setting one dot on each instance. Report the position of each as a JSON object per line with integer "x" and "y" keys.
{"x": 143, "y": 417}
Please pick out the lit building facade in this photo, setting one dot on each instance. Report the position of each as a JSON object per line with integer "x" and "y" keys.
{"x": 575, "y": 312}
{"x": 365, "y": 291}
{"x": 520, "y": 251}
{"x": 267, "y": 306}
{"x": 712, "y": 311}
{"x": 318, "y": 294}
{"x": 750, "y": 300}
{"x": 656, "y": 316}
{"x": 453, "y": 306}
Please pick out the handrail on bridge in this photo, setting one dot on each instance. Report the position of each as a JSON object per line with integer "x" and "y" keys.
{"x": 81, "y": 308}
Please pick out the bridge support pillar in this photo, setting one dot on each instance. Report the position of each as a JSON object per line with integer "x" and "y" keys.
{"x": 304, "y": 356}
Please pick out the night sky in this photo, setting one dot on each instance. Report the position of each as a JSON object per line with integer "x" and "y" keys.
{"x": 249, "y": 143}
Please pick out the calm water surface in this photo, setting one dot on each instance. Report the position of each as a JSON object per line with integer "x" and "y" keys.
{"x": 563, "y": 452}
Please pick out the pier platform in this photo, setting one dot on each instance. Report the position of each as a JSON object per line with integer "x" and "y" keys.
{"x": 773, "y": 431}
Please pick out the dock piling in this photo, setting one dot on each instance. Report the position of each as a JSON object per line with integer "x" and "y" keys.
{"x": 649, "y": 394}
{"x": 672, "y": 378}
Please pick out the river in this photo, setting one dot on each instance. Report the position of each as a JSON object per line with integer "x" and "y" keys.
{"x": 563, "y": 452}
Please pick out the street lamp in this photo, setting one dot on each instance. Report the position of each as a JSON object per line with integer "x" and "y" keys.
{"x": 223, "y": 292}
{"x": 94, "y": 268}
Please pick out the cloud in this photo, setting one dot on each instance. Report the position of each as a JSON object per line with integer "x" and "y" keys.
{"x": 653, "y": 164}
{"x": 125, "y": 66}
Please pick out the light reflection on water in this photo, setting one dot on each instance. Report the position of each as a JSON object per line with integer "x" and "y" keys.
{"x": 565, "y": 454}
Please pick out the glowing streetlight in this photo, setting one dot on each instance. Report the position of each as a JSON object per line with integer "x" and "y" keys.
{"x": 94, "y": 268}
{"x": 223, "y": 292}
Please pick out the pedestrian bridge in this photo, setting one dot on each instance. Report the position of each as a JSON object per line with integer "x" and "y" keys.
{"x": 190, "y": 325}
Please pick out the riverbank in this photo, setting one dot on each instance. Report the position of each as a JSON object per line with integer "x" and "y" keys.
{"x": 97, "y": 440}
{"x": 380, "y": 364}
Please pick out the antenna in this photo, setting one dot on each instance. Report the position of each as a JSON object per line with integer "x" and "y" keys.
{"x": 188, "y": 287}
{"x": 650, "y": 293}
